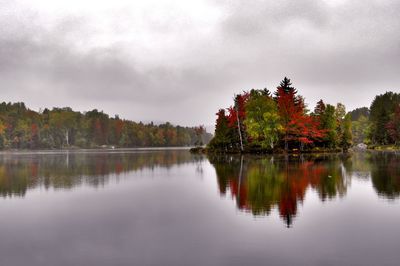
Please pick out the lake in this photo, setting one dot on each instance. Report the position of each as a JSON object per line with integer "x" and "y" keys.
{"x": 169, "y": 207}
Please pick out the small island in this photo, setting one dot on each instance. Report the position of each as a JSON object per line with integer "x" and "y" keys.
{"x": 261, "y": 121}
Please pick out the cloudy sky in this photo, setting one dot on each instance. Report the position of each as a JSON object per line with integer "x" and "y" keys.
{"x": 180, "y": 61}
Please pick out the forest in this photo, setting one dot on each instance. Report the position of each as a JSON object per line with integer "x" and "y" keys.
{"x": 22, "y": 128}
{"x": 379, "y": 125}
{"x": 262, "y": 121}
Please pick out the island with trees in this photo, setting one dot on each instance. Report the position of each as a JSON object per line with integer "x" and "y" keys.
{"x": 63, "y": 128}
{"x": 261, "y": 121}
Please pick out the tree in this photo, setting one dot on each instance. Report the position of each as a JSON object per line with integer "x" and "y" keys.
{"x": 340, "y": 111}
{"x": 2, "y": 134}
{"x": 199, "y": 134}
{"x": 63, "y": 127}
{"x": 347, "y": 137}
{"x": 63, "y": 123}
{"x": 223, "y": 137}
{"x": 297, "y": 125}
{"x": 289, "y": 112}
{"x": 262, "y": 119}
{"x": 237, "y": 115}
{"x": 319, "y": 109}
{"x": 98, "y": 127}
{"x": 329, "y": 124}
{"x": 286, "y": 86}
{"x": 393, "y": 127}
{"x": 360, "y": 129}
{"x": 381, "y": 110}
{"x": 358, "y": 112}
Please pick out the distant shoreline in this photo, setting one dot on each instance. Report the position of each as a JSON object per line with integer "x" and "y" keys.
{"x": 90, "y": 150}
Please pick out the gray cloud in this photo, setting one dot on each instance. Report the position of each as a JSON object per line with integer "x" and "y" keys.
{"x": 183, "y": 73}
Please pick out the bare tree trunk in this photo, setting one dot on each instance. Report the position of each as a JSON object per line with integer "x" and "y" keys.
{"x": 240, "y": 131}
{"x": 67, "y": 137}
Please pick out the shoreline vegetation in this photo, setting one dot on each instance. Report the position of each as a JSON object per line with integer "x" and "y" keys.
{"x": 63, "y": 128}
{"x": 279, "y": 122}
{"x": 92, "y": 150}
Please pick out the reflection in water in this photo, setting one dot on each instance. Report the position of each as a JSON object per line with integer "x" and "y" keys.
{"x": 167, "y": 215}
{"x": 20, "y": 172}
{"x": 260, "y": 184}
{"x": 385, "y": 174}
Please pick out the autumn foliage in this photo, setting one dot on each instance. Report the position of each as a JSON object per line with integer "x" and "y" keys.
{"x": 297, "y": 125}
{"x": 262, "y": 122}
{"x": 260, "y": 186}
{"x": 393, "y": 126}
{"x": 22, "y": 128}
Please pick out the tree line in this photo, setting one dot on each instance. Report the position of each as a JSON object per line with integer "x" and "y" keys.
{"x": 22, "y": 128}
{"x": 261, "y": 121}
{"x": 380, "y": 123}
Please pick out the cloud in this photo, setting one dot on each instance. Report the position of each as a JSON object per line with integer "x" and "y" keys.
{"x": 179, "y": 62}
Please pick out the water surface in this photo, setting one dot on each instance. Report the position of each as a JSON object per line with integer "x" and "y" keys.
{"x": 168, "y": 207}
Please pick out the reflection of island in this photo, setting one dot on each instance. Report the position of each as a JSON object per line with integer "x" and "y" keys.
{"x": 20, "y": 172}
{"x": 385, "y": 174}
{"x": 261, "y": 184}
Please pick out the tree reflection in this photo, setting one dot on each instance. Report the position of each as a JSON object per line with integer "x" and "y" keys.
{"x": 261, "y": 184}
{"x": 20, "y": 172}
{"x": 385, "y": 174}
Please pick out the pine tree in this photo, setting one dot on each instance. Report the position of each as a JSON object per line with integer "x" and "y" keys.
{"x": 319, "y": 108}
{"x": 381, "y": 110}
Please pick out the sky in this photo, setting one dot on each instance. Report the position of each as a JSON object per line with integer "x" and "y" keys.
{"x": 180, "y": 61}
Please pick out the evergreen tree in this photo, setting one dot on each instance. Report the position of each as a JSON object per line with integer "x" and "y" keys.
{"x": 223, "y": 136}
{"x": 382, "y": 108}
{"x": 319, "y": 108}
{"x": 358, "y": 112}
{"x": 286, "y": 85}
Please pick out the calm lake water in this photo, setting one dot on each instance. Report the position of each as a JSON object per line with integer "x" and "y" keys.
{"x": 174, "y": 208}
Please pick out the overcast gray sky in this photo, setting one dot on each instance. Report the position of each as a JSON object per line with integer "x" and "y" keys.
{"x": 180, "y": 61}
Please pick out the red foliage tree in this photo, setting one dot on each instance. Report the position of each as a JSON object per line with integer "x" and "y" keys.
{"x": 239, "y": 107}
{"x": 297, "y": 125}
{"x": 393, "y": 126}
{"x": 237, "y": 114}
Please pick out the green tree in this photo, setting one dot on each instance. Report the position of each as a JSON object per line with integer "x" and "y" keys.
{"x": 347, "y": 137}
{"x": 262, "y": 119}
{"x": 360, "y": 130}
{"x": 381, "y": 110}
{"x": 329, "y": 124}
{"x": 358, "y": 112}
{"x": 63, "y": 126}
